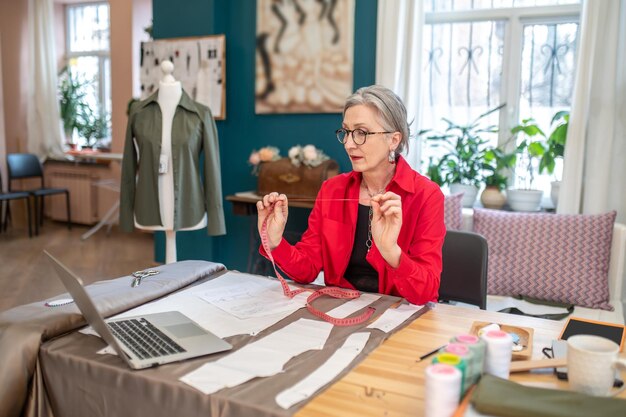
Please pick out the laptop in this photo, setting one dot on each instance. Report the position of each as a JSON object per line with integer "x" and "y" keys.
{"x": 146, "y": 340}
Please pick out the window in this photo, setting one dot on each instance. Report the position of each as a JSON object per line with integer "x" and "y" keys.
{"x": 87, "y": 45}
{"x": 480, "y": 54}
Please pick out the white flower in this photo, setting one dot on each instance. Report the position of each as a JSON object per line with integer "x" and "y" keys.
{"x": 294, "y": 152}
{"x": 254, "y": 158}
{"x": 309, "y": 153}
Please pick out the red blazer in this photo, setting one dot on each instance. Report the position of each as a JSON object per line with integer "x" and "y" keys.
{"x": 327, "y": 243}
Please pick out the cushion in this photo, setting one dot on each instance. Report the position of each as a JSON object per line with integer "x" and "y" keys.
{"x": 553, "y": 257}
{"x": 453, "y": 211}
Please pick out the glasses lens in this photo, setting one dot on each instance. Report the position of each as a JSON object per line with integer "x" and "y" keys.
{"x": 341, "y": 135}
{"x": 359, "y": 136}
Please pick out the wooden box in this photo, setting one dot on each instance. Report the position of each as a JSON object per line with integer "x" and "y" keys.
{"x": 302, "y": 182}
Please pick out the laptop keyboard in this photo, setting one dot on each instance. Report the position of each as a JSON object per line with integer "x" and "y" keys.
{"x": 145, "y": 340}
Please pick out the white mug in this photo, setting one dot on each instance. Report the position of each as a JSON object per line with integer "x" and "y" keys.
{"x": 591, "y": 364}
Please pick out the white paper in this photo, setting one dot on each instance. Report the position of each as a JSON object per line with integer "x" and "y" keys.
{"x": 352, "y": 306}
{"x": 339, "y": 361}
{"x": 262, "y": 358}
{"x": 394, "y": 317}
{"x": 206, "y": 315}
{"x": 245, "y": 297}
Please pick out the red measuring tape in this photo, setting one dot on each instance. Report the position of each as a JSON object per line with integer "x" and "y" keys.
{"x": 334, "y": 292}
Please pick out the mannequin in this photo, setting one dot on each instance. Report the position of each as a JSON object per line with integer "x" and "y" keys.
{"x": 168, "y": 97}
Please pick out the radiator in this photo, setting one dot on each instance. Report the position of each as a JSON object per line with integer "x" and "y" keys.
{"x": 83, "y": 197}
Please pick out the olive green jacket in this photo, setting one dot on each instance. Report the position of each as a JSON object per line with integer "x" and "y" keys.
{"x": 193, "y": 134}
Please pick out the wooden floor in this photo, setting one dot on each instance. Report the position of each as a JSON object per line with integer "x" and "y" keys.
{"x": 26, "y": 274}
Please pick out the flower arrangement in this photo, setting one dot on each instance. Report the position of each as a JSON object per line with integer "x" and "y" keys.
{"x": 265, "y": 154}
{"x": 307, "y": 155}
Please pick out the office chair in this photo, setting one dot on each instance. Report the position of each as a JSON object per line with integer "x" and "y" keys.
{"x": 27, "y": 165}
{"x": 464, "y": 274}
{"x": 5, "y": 214}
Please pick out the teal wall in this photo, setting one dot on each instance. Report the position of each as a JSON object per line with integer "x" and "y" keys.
{"x": 243, "y": 130}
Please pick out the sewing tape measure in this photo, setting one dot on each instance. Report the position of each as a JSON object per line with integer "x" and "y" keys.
{"x": 334, "y": 292}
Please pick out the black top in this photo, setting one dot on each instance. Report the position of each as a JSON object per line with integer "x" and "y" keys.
{"x": 359, "y": 272}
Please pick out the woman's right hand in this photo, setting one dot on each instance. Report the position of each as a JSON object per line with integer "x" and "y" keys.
{"x": 276, "y": 217}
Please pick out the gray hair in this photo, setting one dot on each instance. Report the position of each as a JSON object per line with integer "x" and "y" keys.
{"x": 390, "y": 109}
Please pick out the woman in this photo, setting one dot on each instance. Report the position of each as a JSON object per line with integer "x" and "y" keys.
{"x": 378, "y": 228}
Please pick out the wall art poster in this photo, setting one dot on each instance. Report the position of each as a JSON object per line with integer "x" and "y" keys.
{"x": 199, "y": 64}
{"x": 304, "y": 55}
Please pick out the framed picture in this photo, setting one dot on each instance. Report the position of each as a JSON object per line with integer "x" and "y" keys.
{"x": 199, "y": 64}
{"x": 304, "y": 55}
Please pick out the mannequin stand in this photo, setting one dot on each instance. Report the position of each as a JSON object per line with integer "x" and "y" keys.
{"x": 170, "y": 246}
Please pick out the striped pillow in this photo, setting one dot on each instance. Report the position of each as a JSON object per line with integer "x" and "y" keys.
{"x": 553, "y": 257}
{"x": 453, "y": 211}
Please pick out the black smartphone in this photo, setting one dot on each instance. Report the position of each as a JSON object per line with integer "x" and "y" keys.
{"x": 559, "y": 350}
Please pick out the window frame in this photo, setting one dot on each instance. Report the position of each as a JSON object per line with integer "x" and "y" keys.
{"x": 516, "y": 18}
{"x": 102, "y": 55}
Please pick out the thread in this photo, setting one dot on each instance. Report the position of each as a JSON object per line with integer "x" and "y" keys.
{"x": 477, "y": 346}
{"x": 464, "y": 352}
{"x": 456, "y": 361}
{"x": 498, "y": 353}
{"x": 442, "y": 391}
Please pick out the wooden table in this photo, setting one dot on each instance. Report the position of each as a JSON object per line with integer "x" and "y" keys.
{"x": 390, "y": 383}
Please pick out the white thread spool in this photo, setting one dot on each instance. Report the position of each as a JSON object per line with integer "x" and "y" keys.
{"x": 498, "y": 353}
{"x": 464, "y": 352}
{"x": 443, "y": 390}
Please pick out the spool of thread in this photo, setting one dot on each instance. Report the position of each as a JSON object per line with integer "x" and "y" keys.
{"x": 498, "y": 353}
{"x": 442, "y": 391}
{"x": 467, "y": 355}
{"x": 478, "y": 347}
{"x": 456, "y": 361}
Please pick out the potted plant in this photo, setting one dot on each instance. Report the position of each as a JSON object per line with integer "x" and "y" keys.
{"x": 93, "y": 126}
{"x": 497, "y": 166}
{"x": 72, "y": 94}
{"x": 555, "y": 150}
{"x": 531, "y": 150}
{"x": 461, "y": 164}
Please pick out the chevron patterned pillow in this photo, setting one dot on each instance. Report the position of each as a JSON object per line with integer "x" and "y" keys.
{"x": 453, "y": 211}
{"x": 553, "y": 257}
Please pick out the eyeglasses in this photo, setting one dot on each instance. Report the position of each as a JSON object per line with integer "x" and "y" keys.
{"x": 358, "y": 135}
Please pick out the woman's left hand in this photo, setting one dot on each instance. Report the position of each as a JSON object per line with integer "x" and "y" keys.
{"x": 386, "y": 224}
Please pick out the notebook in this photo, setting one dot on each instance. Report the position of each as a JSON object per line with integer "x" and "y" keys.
{"x": 147, "y": 340}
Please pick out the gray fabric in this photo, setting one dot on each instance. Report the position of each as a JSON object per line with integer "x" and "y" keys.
{"x": 24, "y": 328}
{"x": 81, "y": 383}
{"x": 193, "y": 134}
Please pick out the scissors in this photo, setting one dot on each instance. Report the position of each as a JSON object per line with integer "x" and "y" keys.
{"x": 139, "y": 275}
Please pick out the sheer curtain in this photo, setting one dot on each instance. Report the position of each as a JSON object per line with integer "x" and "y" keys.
{"x": 44, "y": 129}
{"x": 594, "y": 167}
{"x": 3, "y": 149}
{"x": 399, "y": 59}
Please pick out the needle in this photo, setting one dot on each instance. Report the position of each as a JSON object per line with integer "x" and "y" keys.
{"x": 432, "y": 352}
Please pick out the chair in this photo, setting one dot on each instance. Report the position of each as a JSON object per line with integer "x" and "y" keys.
{"x": 464, "y": 274}
{"x": 4, "y": 214}
{"x": 26, "y": 165}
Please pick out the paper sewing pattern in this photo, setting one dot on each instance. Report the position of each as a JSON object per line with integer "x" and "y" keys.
{"x": 276, "y": 349}
{"x": 394, "y": 317}
{"x": 323, "y": 375}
